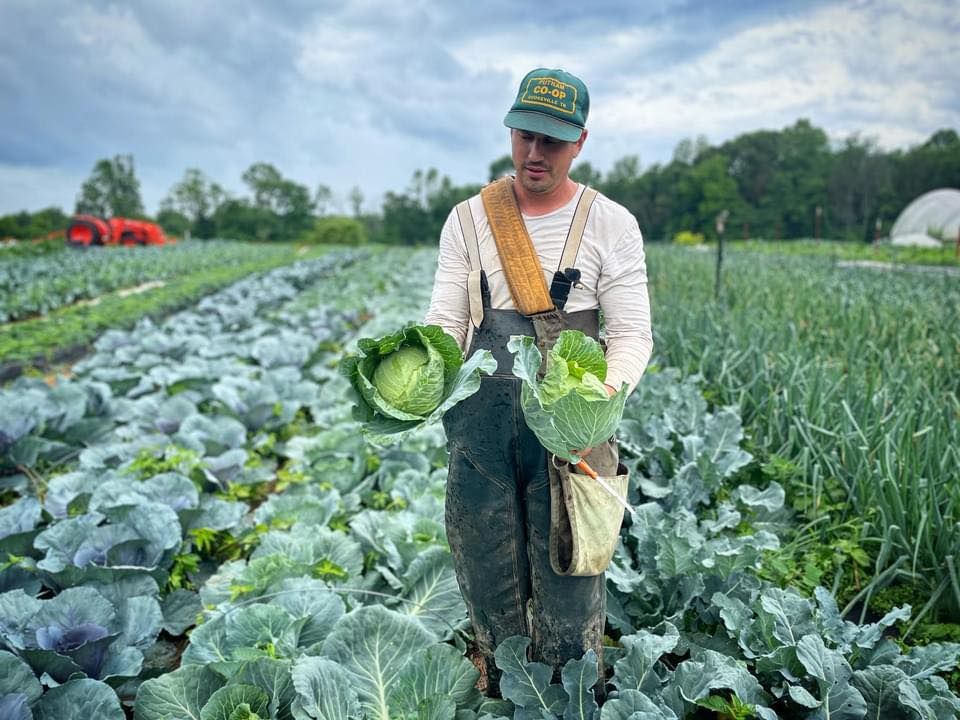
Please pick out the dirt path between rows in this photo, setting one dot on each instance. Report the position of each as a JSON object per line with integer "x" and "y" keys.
{"x": 122, "y": 293}
{"x": 142, "y": 288}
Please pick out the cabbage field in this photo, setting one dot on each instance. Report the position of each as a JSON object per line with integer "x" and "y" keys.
{"x": 56, "y": 300}
{"x": 192, "y": 524}
{"x": 31, "y": 286}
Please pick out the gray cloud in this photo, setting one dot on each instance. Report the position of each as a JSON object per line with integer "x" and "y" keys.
{"x": 363, "y": 93}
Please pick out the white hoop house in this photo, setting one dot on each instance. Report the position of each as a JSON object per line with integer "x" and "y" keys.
{"x": 930, "y": 220}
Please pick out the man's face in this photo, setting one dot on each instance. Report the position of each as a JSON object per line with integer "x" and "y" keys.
{"x": 542, "y": 162}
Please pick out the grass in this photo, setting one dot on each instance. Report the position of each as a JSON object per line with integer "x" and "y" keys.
{"x": 852, "y": 376}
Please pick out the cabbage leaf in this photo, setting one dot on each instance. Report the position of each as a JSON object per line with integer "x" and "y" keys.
{"x": 409, "y": 378}
{"x": 570, "y": 408}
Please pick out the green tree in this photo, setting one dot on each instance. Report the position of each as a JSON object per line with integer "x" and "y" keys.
{"x": 266, "y": 183}
{"x": 16, "y": 225}
{"x": 623, "y": 184}
{"x": 240, "y": 220}
{"x": 356, "y": 201}
{"x": 500, "y": 167}
{"x": 404, "y": 220}
{"x": 689, "y": 150}
{"x": 112, "y": 190}
{"x": 717, "y": 193}
{"x": 753, "y": 164}
{"x": 665, "y": 201}
{"x": 625, "y": 171}
{"x": 417, "y": 216}
{"x": 799, "y": 184}
{"x": 858, "y": 181}
{"x": 173, "y": 221}
{"x": 585, "y": 173}
{"x": 322, "y": 198}
{"x": 288, "y": 202}
{"x": 25, "y": 225}
{"x": 441, "y": 201}
{"x": 196, "y": 198}
{"x": 338, "y": 230}
{"x": 928, "y": 166}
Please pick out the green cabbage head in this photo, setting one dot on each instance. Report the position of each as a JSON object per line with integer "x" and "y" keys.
{"x": 410, "y": 377}
{"x": 569, "y": 408}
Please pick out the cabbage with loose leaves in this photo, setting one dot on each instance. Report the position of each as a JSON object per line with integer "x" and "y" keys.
{"x": 570, "y": 408}
{"x": 410, "y": 377}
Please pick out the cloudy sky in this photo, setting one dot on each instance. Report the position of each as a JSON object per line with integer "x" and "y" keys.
{"x": 364, "y": 92}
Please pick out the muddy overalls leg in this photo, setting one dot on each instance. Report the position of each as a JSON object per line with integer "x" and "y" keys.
{"x": 498, "y": 515}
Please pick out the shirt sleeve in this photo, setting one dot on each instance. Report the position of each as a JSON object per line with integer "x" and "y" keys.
{"x": 449, "y": 303}
{"x": 622, "y": 293}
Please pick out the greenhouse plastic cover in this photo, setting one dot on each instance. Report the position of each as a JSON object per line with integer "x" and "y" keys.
{"x": 934, "y": 213}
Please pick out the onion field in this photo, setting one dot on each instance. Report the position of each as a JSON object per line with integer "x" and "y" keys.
{"x": 848, "y": 382}
{"x": 192, "y": 524}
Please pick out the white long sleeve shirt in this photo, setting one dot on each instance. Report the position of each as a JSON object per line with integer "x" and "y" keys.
{"x": 613, "y": 277}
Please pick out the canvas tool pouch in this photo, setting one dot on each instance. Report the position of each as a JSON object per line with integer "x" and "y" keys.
{"x": 585, "y": 519}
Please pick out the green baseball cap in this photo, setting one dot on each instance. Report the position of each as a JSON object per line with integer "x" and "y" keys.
{"x": 550, "y": 102}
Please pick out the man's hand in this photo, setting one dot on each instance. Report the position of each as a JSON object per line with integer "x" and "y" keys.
{"x": 586, "y": 451}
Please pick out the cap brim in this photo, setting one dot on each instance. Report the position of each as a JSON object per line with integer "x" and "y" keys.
{"x": 543, "y": 124}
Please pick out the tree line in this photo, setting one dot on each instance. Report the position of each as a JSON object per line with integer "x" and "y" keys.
{"x": 782, "y": 184}
{"x": 774, "y": 184}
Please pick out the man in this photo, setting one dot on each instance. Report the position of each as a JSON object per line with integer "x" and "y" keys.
{"x": 498, "y": 508}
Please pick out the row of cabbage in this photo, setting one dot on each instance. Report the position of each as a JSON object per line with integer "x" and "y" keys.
{"x": 95, "y": 529}
{"x": 31, "y": 286}
{"x": 218, "y": 452}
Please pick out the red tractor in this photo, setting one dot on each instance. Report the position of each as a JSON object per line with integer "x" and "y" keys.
{"x": 87, "y": 230}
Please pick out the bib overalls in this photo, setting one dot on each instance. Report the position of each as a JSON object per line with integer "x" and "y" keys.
{"x": 498, "y": 513}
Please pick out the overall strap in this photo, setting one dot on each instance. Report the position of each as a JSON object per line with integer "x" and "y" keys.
{"x": 469, "y": 230}
{"x": 566, "y": 275}
{"x": 572, "y": 245}
{"x": 521, "y": 266}
{"x": 474, "y": 279}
